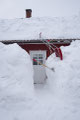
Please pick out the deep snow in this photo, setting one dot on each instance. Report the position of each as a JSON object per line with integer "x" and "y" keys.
{"x": 30, "y": 28}
{"x": 16, "y": 72}
{"x": 65, "y": 83}
{"x": 57, "y": 99}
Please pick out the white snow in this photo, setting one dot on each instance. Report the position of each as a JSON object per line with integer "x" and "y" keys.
{"x": 16, "y": 76}
{"x": 65, "y": 82}
{"x": 30, "y": 28}
{"x": 57, "y": 99}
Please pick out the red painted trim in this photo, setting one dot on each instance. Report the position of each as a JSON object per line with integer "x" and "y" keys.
{"x": 60, "y": 54}
{"x": 30, "y": 47}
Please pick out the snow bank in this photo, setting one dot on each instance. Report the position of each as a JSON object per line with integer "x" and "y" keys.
{"x": 58, "y": 99}
{"x": 67, "y": 71}
{"x": 16, "y": 72}
{"x": 65, "y": 81}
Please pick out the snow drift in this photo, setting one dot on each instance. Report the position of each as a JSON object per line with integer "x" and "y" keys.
{"x": 58, "y": 99}
{"x": 16, "y": 72}
{"x": 67, "y": 72}
{"x": 65, "y": 81}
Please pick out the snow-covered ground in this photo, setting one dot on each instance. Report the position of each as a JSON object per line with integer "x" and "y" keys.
{"x": 65, "y": 82}
{"x": 30, "y": 28}
{"x": 57, "y": 99}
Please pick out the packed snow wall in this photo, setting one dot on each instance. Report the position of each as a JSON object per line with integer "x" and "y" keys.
{"x": 16, "y": 72}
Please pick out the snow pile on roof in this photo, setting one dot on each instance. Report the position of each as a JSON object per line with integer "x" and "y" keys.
{"x": 30, "y": 28}
{"x": 16, "y": 73}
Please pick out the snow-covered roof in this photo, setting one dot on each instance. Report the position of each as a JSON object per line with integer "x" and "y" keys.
{"x": 30, "y": 28}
